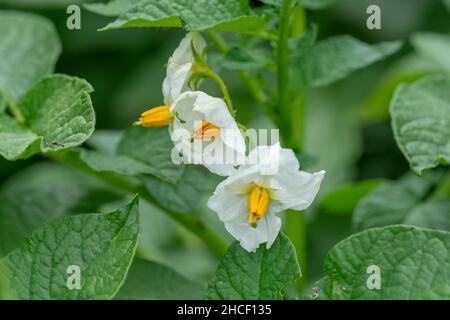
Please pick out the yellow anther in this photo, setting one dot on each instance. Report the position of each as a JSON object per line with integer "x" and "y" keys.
{"x": 156, "y": 117}
{"x": 258, "y": 203}
{"x": 206, "y": 131}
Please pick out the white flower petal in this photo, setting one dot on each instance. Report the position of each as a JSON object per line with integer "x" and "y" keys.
{"x": 176, "y": 81}
{"x": 227, "y": 204}
{"x": 183, "y": 54}
{"x": 295, "y": 190}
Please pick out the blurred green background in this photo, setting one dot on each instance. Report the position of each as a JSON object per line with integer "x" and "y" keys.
{"x": 348, "y": 127}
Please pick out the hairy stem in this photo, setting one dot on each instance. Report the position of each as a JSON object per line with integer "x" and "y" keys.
{"x": 129, "y": 185}
{"x": 214, "y": 76}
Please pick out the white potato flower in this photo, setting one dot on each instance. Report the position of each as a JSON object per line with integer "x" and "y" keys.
{"x": 204, "y": 132}
{"x": 249, "y": 199}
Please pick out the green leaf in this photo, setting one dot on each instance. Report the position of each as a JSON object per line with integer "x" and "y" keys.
{"x": 420, "y": 115}
{"x": 433, "y": 214}
{"x": 238, "y": 59}
{"x": 16, "y": 142}
{"x": 58, "y": 115}
{"x": 433, "y": 46}
{"x": 101, "y": 245}
{"x": 335, "y": 58}
{"x": 31, "y": 198}
{"x": 148, "y": 280}
{"x": 192, "y": 15}
{"x": 29, "y": 49}
{"x": 413, "y": 264}
{"x": 182, "y": 196}
{"x": 139, "y": 151}
{"x": 317, "y": 4}
{"x": 447, "y": 4}
{"x": 343, "y": 200}
{"x": 112, "y": 8}
{"x": 260, "y": 275}
{"x": 395, "y": 202}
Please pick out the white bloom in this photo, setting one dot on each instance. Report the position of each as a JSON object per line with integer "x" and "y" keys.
{"x": 205, "y": 132}
{"x": 248, "y": 200}
{"x": 179, "y": 67}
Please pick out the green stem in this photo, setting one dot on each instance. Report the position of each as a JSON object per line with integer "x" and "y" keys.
{"x": 223, "y": 87}
{"x": 17, "y": 114}
{"x": 129, "y": 185}
{"x": 292, "y": 119}
{"x": 443, "y": 188}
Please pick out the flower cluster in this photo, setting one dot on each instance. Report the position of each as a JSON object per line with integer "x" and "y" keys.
{"x": 259, "y": 185}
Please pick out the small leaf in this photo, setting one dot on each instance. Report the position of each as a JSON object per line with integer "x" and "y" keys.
{"x": 101, "y": 245}
{"x": 335, "y": 58}
{"x": 420, "y": 115}
{"x": 394, "y": 202}
{"x": 29, "y": 49}
{"x": 149, "y": 280}
{"x": 192, "y": 15}
{"x": 413, "y": 264}
{"x": 343, "y": 200}
{"x": 260, "y": 275}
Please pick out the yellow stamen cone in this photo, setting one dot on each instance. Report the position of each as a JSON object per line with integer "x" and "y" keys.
{"x": 156, "y": 117}
{"x": 206, "y": 131}
{"x": 258, "y": 203}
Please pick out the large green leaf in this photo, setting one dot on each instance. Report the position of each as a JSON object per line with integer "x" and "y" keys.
{"x": 420, "y": 115}
{"x": 434, "y": 46}
{"x": 29, "y": 48}
{"x": 218, "y": 15}
{"x": 335, "y": 58}
{"x": 148, "y": 280}
{"x": 394, "y": 202}
{"x": 58, "y": 115}
{"x": 317, "y": 4}
{"x": 101, "y": 245}
{"x": 139, "y": 151}
{"x": 433, "y": 214}
{"x": 260, "y": 275}
{"x": 413, "y": 264}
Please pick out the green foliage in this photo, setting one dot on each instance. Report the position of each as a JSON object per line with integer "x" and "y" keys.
{"x": 59, "y": 115}
{"x": 101, "y": 245}
{"x": 36, "y": 47}
{"x": 433, "y": 46}
{"x": 413, "y": 264}
{"x": 394, "y": 203}
{"x": 343, "y": 200}
{"x": 335, "y": 58}
{"x": 217, "y": 15}
{"x": 148, "y": 280}
{"x": 421, "y": 121}
{"x": 138, "y": 151}
{"x": 260, "y": 275}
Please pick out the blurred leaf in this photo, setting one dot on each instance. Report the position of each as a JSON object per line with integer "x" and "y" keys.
{"x": 317, "y": 4}
{"x": 405, "y": 70}
{"x": 420, "y": 115}
{"x": 29, "y": 49}
{"x": 43, "y": 3}
{"x": 393, "y": 202}
{"x": 148, "y": 280}
{"x": 413, "y": 264}
{"x": 335, "y": 58}
{"x": 433, "y": 46}
{"x": 112, "y": 8}
{"x": 238, "y": 59}
{"x": 101, "y": 245}
{"x": 447, "y": 3}
{"x": 105, "y": 140}
{"x": 343, "y": 200}
{"x": 181, "y": 196}
{"x": 139, "y": 151}
{"x": 260, "y": 275}
{"x": 30, "y": 199}
{"x": 215, "y": 15}
{"x": 433, "y": 214}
